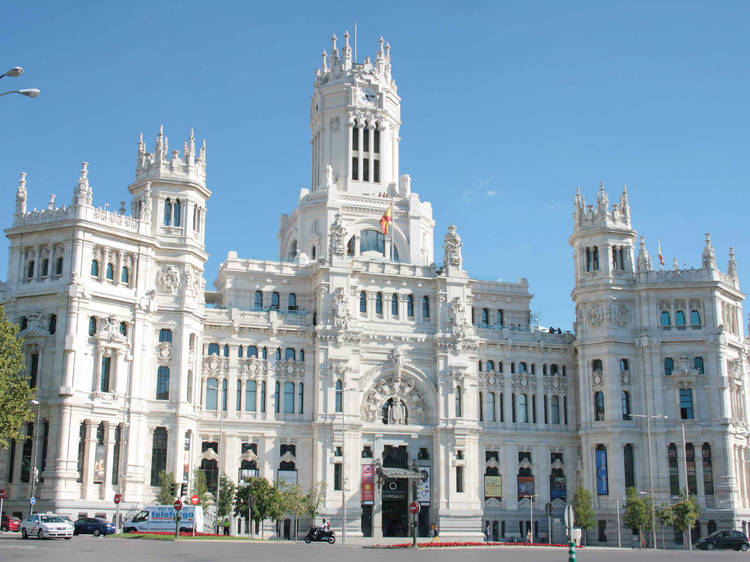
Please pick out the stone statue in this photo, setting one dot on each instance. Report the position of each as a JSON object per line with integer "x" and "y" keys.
{"x": 146, "y": 210}
{"x": 396, "y": 412}
{"x": 452, "y": 245}
{"x": 458, "y": 321}
{"x": 337, "y": 235}
{"x": 329, "y": 175}
{"x": 340, "y": 309}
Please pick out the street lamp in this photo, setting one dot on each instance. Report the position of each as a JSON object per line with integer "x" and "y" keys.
{"x": 13, "y": 72}
{"x": 650, "y": 469}
{"x": 619, "y": 536}
{"x": 29, "y": 92}
{"x": 33, "y": 453}
{"x": 531, "y": 514}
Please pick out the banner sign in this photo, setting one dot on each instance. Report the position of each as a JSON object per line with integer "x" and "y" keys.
{"x": 368, "y": 484}
{"x": 602, "y": 480}
{"x": 423, "y": 486}
{"x": 525, "y": 486}
{"x": 557, "y": 487}
{"x": 99, "y": 475}
{"x": 493, "y": 487}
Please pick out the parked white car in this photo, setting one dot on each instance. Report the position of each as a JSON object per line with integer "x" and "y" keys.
{"x": 46, "y": 526}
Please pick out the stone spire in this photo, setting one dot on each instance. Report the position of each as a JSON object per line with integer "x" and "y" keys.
{"x": 644, "y": 260}
{"x": 732, "y": 267}
{"x": 346, "y": 52}
{"x": 83, "y": 194}
{"x": 22, "y": 195}
{"x": 709, "y": 256}
{"x": 602, "y": 200}
{"x": 624, "y": 204}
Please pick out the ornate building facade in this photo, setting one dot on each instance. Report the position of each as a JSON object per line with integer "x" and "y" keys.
{"x": 356, "y": 361}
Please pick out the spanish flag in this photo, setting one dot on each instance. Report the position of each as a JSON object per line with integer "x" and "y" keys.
{"x": 386, "y": 219}
{"x": 661, "y": 258}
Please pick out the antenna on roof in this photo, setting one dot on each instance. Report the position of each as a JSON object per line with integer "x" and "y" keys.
{"x": 355, "y": 41}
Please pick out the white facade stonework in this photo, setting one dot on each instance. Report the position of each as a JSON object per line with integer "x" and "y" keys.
{"x": 355, "y": 350}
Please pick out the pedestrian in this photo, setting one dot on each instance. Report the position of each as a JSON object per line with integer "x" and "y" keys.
{"x": 226, "y": 526}
{"x": 487, "y": 532}
{"x": 434, "y": 534}
{"x": 529, "y": 537}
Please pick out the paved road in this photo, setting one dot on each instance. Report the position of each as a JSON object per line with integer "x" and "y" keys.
{"x": 90, "y": 549}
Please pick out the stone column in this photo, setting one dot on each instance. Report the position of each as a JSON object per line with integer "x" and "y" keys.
{"x": 88, "y": 461}
{"x": 109, "y": 453}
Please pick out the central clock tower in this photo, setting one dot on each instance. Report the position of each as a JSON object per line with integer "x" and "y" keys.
{"x": 355, "y": 116}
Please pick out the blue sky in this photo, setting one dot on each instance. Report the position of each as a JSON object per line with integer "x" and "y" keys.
{"x": 507, "y": 106}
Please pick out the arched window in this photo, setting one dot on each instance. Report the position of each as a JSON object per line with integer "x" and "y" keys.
{"x": 165, "y": 336}
{"x": 58, "y": 266}
{"x": 599, "y": 406}
{"x": 698, "y": 365}
{"x": 410, "y": 305}
{"x": 289, "y": 353}
{"x": 522, "y": 367}
{"x": 625, "y": 403}
{"x": 30, "y": 269}
{"x": 110, "y": 275}
{"x": 292, "y": 302}
{"x": 275, "y": 301}
{"x": 314, "y": 252}
{"x": 674, "y": 471}
{"x": 425, "y": 306}
{"x": 177, "y": 209}
{"x": 490, "y": 406}
{"x": 301, "y": 354}
{"x": 226, "y": 350}
{"x": 379, "y": 303}
{"x": 45, "y": 267}
{"x": 292, "y": 251}
{"x": 288, "y": 397}
{"x": 339, "y": 396}
{"x": 105, "y": 372}
{"x": 554, "y": 369}
{"x": 162, "y": 383}
{"x": 213, "y": 348}
{"x": 489, "y": 365}
{"x": 239, "y": 351}
{"x": 695, "y": 318}
{"x": 371, "y": 241}
{"x": 94, "y": 268}
{"x": 481, "y": 405}
{"x": 459, "y": 402}
{"x": 158, "y": 455}
{"x": 167, "y": 212}
{"x": 251, "y": 391}
{"x": 278, "y": 354}
{"x": 602, "y": 471}
{"x": 679, "y": 318}
{"x": 125, "y": 275}
{"x": 596, "y": 258}
{"x": 252, "y": 351}
{"x": 238, "y": 398}
{"x": 363, "y": 302}
{"x": 258, "y": 305}
{"x": 665, "y": 319}
{"x": 690, "y": 465}
{"x": 629, "y": 462}
{"x": 212, "y": 393}
{"x": 123, "y": 329}
{"x": 350, "y": 247}
{"x": 555, "y": 409}
{"x": 394, "y": 305}
{"x": 708, "y": 470}
{"x": 668, "y": 366}
{"x": 264, "y": 353}
{"x": 485, "y": 316}
{"x": 523, "y": 408}
{"x": 189, "y": 390}
{"x": 92, "y": 325}
{"x": 596, "y": 365}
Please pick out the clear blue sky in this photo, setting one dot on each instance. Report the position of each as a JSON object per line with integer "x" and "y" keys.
{"x": 507, "y": 106}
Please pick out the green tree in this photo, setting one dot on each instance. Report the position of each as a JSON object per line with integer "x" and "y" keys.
{"x": 313, "y": 500}
{"x": 226, "y": 496}
{"x": 686, "y": 513}
{"x": 637, "y": 512}
{"x": 200, "y": 488}
{"x": 665, "y": 515}
{"x": 293, "y": 502}
{"x": 166, "y": 485}
{"x": 15, "y": 393}
{"x": 265, "y": 500}
{"x": 583, "y": 511}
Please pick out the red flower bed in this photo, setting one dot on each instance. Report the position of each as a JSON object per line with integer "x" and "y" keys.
{"x": 455, "y": 544}
{"x": 165, "y": 533}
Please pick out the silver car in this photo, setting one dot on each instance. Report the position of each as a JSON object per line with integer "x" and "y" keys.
{"x": 46, "y": 526}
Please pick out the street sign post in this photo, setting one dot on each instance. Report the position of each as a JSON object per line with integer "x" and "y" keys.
{"x": 194, "y": 499}
{"x": 177, "y": 508}
{"x": 118, "y": 499}
{"x": 569, "y": 524}
{"x": 2, "y": 498}
{"x": 414, "y": 510}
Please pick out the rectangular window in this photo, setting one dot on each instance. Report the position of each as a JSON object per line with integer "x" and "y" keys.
{"x": 686, "y": 404}
{"x": 355, "y": 138}
{"x": 288, "y": 397}
{"x": 502, "y": 407}
{"x": 366, "y": 140}
{"x": 104, "y": 380}
{"x": 394, "y": 305}
{"x": 459, "y": 479}
{"x": 26, "y": 455}
{"x": 116, "y": 456}
{"x": 355, "y": 167}
{"x": 546, "y": 418}
{"x": 366, "y": 169}
{"x": 376, "y": 171}
{"x": 376, "y": 142}
{"x": 337, "y": 476}
{"x": 33, "y": 370}
{"x": 251, "y": 391}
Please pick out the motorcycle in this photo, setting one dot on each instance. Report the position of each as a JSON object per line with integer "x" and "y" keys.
{"x": 317, "y": 534}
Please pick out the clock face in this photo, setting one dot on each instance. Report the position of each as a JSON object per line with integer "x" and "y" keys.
{"x": 367, "y": 95}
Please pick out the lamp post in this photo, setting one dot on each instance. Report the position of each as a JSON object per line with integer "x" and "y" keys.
{"x": 650, "y": 469}
{"x": 687, "y": 486}
{"x": 343, "y": 478}
{"x": 531, "y": 515}
{"x": 33, "y": 451}
{"x": 13, "y": 73}
{"x": 221, "y": 404}
{"x": 619, "y": 532}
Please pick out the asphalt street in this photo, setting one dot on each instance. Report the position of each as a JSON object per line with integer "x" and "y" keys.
{"x": 90, "y": 549}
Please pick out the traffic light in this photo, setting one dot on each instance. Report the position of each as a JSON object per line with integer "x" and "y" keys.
{"x": 173, "y": 489}
{"x": 183, "y": 489}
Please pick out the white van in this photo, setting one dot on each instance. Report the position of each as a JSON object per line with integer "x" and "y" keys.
{"x": 160, "y": 518}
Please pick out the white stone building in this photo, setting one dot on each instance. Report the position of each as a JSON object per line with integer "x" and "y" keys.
{"x": 356, "y": 360}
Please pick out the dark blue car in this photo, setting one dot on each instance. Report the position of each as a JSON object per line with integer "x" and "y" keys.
{"x": 93, "y": 526}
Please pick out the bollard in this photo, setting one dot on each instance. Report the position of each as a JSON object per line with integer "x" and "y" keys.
{"x": 571, "y": 551}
